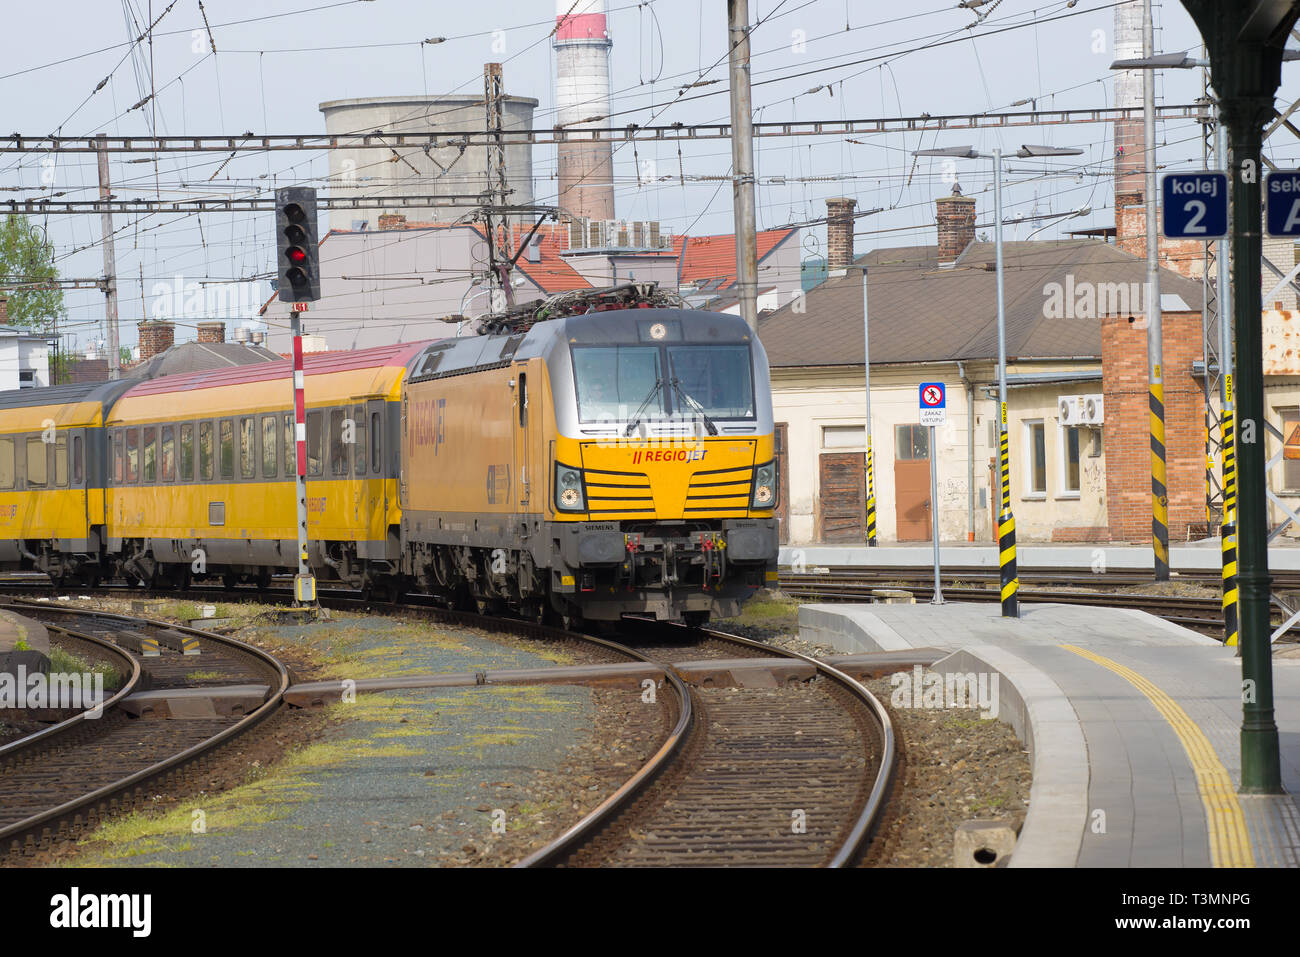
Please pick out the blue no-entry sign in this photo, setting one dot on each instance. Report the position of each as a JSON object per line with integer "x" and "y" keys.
{"x": 1195, "y": 205}
{"x": 933, "y": 402}
{"x": 1282, "y": 203}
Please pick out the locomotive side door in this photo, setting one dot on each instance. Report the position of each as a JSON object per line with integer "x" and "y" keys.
{"x": 522, "y": 414}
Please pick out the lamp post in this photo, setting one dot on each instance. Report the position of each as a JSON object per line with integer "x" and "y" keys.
{"x": 1010, "y": 580}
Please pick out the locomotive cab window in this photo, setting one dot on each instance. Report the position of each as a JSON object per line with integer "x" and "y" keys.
{"x": 6, "y": 462}
{"x": 523, "y": 399}
{"x": 618, "y": 382}
{"x": 713, "y": 379}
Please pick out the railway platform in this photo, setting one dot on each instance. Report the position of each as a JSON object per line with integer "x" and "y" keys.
{"x": 1203, "y": 556}
{"x": 15, "y": 628}
{"x": 1132, "y": 724}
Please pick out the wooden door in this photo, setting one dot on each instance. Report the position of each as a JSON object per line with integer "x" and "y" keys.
{"x": 912, "y": 482}
{"x": 842, "y": 501}
{"x": 783, "y": 481}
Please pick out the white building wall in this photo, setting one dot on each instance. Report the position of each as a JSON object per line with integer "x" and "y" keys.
{"x": 811, "y": 400}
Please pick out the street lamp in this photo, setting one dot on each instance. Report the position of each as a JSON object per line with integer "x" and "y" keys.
{"x": 1006, "y": 521}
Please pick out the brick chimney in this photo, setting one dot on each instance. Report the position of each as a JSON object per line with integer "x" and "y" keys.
{"x": 155, "y": 337}
{"x": 392, "y": 221}
{"x": 839, "y": 232}
{"x": 4, "y": 311}
{"x": 955, "y": 218}
{"x": 214, "y": 331}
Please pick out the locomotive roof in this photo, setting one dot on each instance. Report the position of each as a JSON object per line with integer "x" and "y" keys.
{"x": 450, "y": 356}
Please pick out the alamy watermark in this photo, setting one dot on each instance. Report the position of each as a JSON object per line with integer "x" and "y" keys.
{"x": 920, "y": 688}
{"x": 181, "y": 299}
{"x": 1093, "y": 300}
{"x": 77, "y": 690}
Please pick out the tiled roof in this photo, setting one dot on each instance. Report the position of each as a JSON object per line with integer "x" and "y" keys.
{"x": 711, "y": 260}
{"x": 920, "y": 312}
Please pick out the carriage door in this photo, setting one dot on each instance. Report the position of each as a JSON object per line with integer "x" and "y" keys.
{"x": 377, "y": 464}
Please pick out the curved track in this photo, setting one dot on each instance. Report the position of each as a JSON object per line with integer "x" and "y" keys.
{"x": 69, "y": 776}
{"x": 783, "y": 776}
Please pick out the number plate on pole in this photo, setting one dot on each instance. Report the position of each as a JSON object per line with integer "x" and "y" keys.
{"x": 1195, "y": 205}
{"x": 1282, "y": 203}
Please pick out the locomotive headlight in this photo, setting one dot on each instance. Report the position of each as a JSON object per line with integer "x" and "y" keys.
{"x": 764, "y": 486}
{"x": 569, "y": 496}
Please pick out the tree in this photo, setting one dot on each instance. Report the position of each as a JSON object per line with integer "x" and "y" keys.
{"x": 27, "y": 256}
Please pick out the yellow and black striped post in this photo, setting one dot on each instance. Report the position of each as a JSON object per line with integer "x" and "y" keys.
{"x": 1229, "y": 531}
{"x": 871, "y": 495}
{"x": 1007, "y": 528}
{"x": 1159, "y": 489}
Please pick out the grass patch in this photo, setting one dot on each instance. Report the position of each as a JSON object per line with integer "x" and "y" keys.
{"x": 63, "y": 662}
{"x": 775, "y": 611}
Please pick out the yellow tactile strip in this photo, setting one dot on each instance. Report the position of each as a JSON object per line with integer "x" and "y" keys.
{"x": 1229, "y": 838}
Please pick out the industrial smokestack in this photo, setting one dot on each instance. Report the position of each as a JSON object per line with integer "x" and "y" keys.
{"x": 1129, "y": 136}
{"x": 586, "y": 170}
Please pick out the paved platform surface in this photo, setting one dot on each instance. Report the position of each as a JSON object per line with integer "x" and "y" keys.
{"x": 15, "y": 628}
{"x": 1198, "y": 556}
{"x": 1132, "y": 724}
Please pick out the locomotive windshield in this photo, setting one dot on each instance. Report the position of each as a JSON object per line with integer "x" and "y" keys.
{"x": 620, "y": 383}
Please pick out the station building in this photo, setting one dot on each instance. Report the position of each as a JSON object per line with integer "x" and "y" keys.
{"x": 1077, "y": 390}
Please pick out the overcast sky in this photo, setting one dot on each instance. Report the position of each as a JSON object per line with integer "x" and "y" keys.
{"x": 277, "y": 60}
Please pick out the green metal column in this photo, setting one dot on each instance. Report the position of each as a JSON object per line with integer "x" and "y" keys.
{"x": 1245, "y": 39}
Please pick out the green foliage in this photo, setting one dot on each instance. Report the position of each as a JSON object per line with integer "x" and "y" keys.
{"x": 26, "y": 255}
{"x": 22, "y": 645}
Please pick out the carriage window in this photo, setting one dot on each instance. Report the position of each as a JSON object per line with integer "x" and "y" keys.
{"x": 205, "y": 451}
{"x": 187, "y": 452}
{"x": 376, "y": 444}
{"x": 132, "y": 455}
{"x": 36, "y": 470}
{"x": 339, "y": 449}
{"x": 150, "y": 454}
{"x": 315, "y": 443}
{"x": 269, "y": 443}
{"x": 167, "y": 455}
{"x": 227, "y": 449}
{"x": 290, "y": 448}
{"x": 6, "y": 463}
{"x": 119, "y": 460}
{"x": 359, "y": 417}
{"x": 77, "y": 460}
{"x": 61, "y": 460}
{"x": 247, "y": 469}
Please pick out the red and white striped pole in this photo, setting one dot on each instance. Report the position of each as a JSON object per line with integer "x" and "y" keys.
{"x": 304, "y": 589}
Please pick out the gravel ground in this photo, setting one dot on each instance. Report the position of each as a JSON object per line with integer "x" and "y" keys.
{"x": 477, "y": 776}
{"x": 955, "y": 765}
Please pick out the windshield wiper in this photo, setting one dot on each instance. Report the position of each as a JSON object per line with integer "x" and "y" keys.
{"x": 690, "y": 400}
{"x": 636, "y": 418}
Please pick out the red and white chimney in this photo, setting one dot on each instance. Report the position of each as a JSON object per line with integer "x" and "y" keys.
{"x": 582, "y": 45}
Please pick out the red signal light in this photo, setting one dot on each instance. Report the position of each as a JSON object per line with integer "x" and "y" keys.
{"x": 296, "y": 255}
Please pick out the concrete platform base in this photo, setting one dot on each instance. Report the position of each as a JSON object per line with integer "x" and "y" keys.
{"x": 1132, "y": 724}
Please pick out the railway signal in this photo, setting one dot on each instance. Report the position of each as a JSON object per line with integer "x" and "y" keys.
{"x": 297, "y": 259}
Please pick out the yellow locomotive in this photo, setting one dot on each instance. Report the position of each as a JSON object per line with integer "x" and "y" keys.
{"x": 595, "y": 456}
{"x": 614, "y": 458}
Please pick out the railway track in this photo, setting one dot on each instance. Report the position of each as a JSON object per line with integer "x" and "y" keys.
{"x": 1202, "y": 613}
{"x": 57, "y": 782}
{"x": 787, "y": 776}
